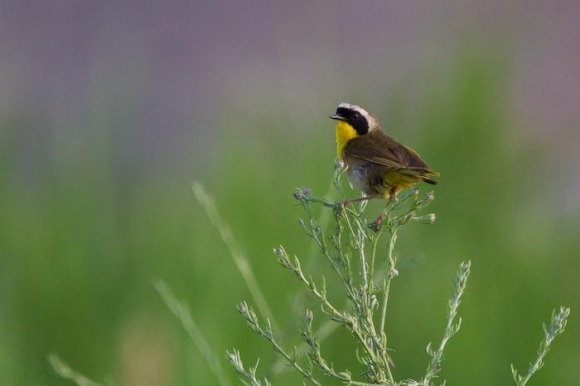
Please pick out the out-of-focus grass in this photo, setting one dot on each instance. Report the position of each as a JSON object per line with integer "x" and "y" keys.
{"x": 79, "y": 248}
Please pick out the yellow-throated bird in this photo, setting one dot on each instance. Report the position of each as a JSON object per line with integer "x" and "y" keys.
{"x": 376, "y": 163}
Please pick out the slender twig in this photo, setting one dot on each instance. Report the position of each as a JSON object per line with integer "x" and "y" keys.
{"x": 66, "y": 372}
{"x": 248, "y": 374}
{"x": 391, "y": 272}
{"x": 557, "y": 326}
{"x": 241, "y": 261}
{"x": 267, "y": 332}
{"x": 182, "y": 313}
{"x": 451, "y": 327}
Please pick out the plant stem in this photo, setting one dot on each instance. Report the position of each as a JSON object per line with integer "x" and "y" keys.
{"x": 241, "y": 261}
{"x": 390, "y": 274}
{"x": 557, "y": 326}
{"x": 373, "y": 255}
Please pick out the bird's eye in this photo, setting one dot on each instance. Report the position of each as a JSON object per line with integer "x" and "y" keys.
{"x": 355, "y": 115}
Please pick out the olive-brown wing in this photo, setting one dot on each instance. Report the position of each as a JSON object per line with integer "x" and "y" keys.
{"x": 378, "y": 148}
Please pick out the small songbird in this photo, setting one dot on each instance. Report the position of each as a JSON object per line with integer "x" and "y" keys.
{"x": 377, "y": 164}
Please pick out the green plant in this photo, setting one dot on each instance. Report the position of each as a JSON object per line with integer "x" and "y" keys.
{"x": 557, "y": 326}
{"x": 350, "y": 249}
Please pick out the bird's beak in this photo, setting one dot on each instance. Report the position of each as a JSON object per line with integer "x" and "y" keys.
{"x": 337, "y": 117}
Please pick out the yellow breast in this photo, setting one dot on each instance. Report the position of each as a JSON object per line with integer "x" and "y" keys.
{"x": 344, "y": 133}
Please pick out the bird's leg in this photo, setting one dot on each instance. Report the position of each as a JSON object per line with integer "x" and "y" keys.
{"x": 363, "y": 198}
{"x": 376, "y": 225}
{"x": 393, "y": 194}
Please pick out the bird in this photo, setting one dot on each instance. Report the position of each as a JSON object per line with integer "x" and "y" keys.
{"x": 376, "y": 164}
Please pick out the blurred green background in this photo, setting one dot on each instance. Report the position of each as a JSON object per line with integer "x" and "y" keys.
{"x": 110, "y": 110}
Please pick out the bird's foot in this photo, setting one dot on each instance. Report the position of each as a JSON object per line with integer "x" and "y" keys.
{"x": 376, "y": 225}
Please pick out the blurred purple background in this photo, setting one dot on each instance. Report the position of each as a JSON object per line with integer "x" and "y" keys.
{"x": 180, "y": 65}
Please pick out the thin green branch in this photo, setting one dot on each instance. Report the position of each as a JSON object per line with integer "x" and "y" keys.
{"x": 267, "y": 332}
{"x": 182, "y": 313}
{"x": 247, "y": 374}
{"x": 391, "y": 273}
{"x": 241, "y": 261}
{"x": 66, "y": 372}
{"x": 451, "y": 327}
{"x": 557, "y": 326}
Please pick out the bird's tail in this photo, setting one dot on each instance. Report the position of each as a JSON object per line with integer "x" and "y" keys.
{"x": 426, "y": 175}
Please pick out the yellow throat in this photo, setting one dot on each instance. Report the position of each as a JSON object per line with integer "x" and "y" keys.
{"x": 344, "y": 133}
